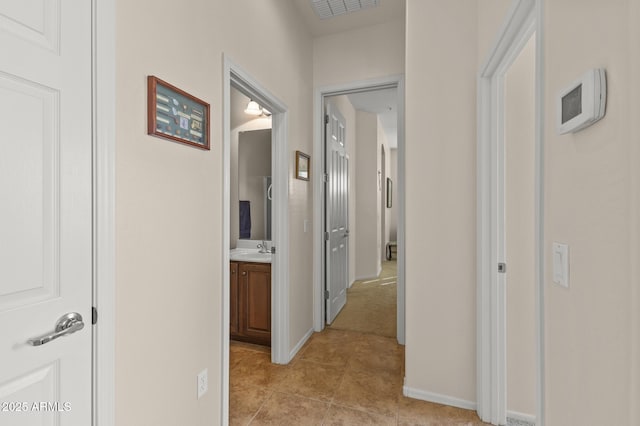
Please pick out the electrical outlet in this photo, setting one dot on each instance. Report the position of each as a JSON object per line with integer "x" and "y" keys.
{"x": 203, "y": 383}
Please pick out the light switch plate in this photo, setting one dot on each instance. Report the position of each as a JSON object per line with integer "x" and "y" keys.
{"x": 560, "y": 255}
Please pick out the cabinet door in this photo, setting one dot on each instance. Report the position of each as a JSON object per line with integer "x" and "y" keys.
{"x": 234, "y": 300}
{"x": 255, "y": 296}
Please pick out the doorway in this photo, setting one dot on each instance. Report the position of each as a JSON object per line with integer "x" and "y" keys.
{"x": 510, "y": 291}
{"x": 240, "y": 80}
{"x": 321, "y": 99}
{"x": 518, "y": 234}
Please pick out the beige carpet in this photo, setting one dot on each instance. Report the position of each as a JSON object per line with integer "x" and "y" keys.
{"x": 371, "y": 305}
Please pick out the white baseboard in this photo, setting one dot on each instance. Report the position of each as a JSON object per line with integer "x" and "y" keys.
{"x": 438, "y": 398}
{"x": 520, "y": 419}
{"x": 366, "y": 278}
{"x": 300, "y": 344}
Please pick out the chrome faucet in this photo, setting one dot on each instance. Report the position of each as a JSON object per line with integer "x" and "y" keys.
{"x": 263, "y": 247}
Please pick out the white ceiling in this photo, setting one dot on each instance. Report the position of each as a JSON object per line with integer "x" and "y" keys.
{"x": 387, "y": 10}
{"x": 384, "y": 103}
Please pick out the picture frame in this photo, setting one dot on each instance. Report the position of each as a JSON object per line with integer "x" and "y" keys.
{"x": 303, "y": 166}
{"x": 389, "y": 193}
{"x": 176, "y": 115}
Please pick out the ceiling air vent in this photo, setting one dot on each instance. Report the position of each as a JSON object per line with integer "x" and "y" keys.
{"x": 329, "y": 8}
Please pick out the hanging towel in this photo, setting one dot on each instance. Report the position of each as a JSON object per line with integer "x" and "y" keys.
{"x": 245, "y": 219}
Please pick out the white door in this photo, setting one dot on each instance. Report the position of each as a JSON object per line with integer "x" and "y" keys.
{"x": 337, "y": 213}
{"x": 46, "y": 211}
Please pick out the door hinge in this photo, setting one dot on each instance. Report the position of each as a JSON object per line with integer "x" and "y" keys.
{"x": 325, "y": 177}
{"x": 326, "y": 119}
{"x": 94, "y": 315}
{"x": 273, "y": 250}
{"x": 326, "y": 236}
{"x": 326, "y": 294}
{"x": 502, "y": 268}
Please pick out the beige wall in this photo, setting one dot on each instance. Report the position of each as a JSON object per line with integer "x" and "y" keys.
{"x": 634, "y": 201}
{"x": 393, "y": 212}
{"x": 169, "y": 197}
{"x": 519, "y": 98}
{"x": 343, "y": 104}
{"x": 365, "y": 53}
{"x": 367, "y": 196}
{"x": 591, "y": 200}
{"x": 440, "y": 197}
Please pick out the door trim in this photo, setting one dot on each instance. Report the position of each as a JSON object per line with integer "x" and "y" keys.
{"x": 320, "y": 94}
{"x": 523, "y": 19}
{"x": 104, "y": 127}
{"x": 280, "y": 353}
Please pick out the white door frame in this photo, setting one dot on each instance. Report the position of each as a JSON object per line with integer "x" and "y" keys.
{"x": 318, "y": 192}
{"x": 104, "y": 127}
{"x": 280, "y": 226}
{"x": 523, "y": 19}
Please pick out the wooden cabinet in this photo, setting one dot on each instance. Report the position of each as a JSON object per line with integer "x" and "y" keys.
{"x": 251, "y": 302}
{"x": 233, "y": 310}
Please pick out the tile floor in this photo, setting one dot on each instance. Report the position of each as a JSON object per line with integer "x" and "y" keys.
{"x": 338, "y": 378}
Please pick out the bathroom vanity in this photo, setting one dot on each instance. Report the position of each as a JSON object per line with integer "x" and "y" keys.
{"x": 250, "y": 312}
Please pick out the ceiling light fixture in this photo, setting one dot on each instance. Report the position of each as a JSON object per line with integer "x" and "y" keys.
{"x": 330, "y": 8}
{"x": 253, "y": 108}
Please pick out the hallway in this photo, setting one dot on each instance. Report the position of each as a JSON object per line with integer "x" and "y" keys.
{"x": 372, "y": 304}
{"x": 338, "y": 378}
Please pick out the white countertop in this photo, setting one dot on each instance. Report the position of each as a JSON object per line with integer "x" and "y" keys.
{"x": 249, "y": 255}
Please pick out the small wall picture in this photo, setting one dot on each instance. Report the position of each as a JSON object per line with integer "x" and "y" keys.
{"x": 303, "y": 166}
{"x": 389, "y": 192}
{"x": 176, "y": 115}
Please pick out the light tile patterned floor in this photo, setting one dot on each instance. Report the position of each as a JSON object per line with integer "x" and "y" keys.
{"x": 338, "y": 378}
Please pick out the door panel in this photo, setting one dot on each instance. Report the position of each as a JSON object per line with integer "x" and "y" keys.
{"x": 337, "y": 214}
{"x": 28, "y": 173}
{"x": 46, "y": 218}
{"x": 36, "y": 21}
{"x": 255, "y": 297}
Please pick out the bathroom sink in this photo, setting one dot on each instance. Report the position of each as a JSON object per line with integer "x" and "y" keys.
{"x": 249, "y": 255}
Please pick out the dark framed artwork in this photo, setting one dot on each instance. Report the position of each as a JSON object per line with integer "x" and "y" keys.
{"x": 389, "y": 192}
{"x": 303, "y": 166}
{"x": 176, "y": 115}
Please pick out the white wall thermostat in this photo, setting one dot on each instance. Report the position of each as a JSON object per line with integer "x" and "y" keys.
{"x": 583, "y": 102}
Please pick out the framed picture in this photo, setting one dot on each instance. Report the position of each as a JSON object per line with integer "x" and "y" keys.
{"x": 303, "y": 166}
{"x": 176, "y": 115}
{"x": 389, "y": 192}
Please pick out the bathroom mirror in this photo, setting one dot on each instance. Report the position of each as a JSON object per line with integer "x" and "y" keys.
{"x": 250, "y": 172}
{"x": 255, "y": 191}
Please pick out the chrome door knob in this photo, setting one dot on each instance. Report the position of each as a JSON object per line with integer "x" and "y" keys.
{"x": 67, "y": 324}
